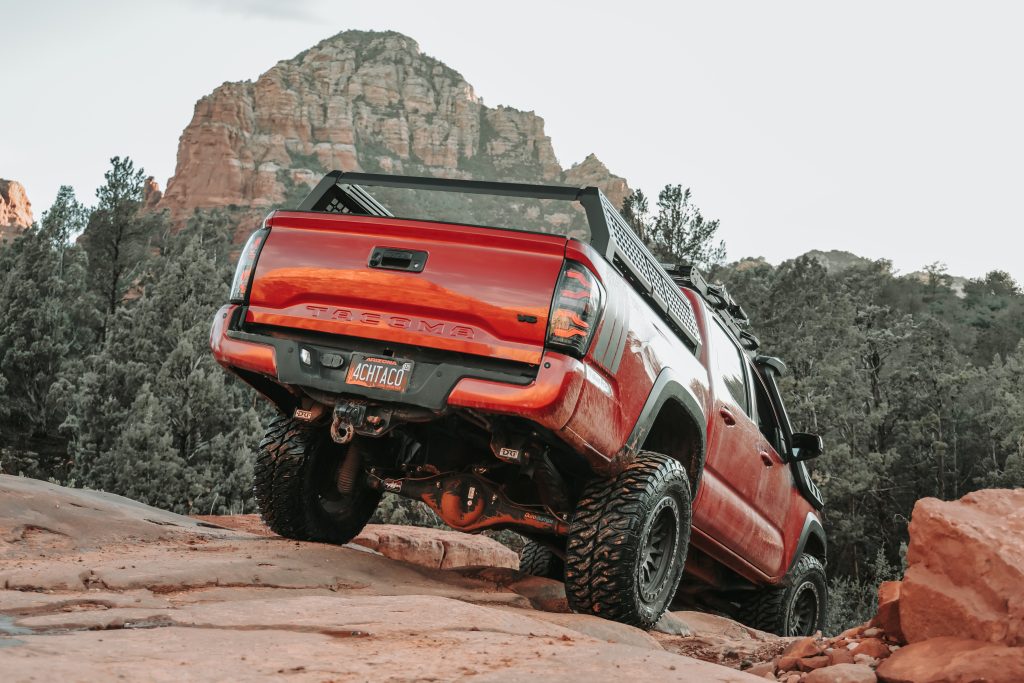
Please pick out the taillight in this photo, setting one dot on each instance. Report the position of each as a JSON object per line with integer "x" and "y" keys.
{"x": 246, "y": 265}
{"x": 575, "y": 310}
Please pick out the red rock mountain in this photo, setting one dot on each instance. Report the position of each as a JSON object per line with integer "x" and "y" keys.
{"x": 357, "y": 101}
{"x": 15, "y": 209}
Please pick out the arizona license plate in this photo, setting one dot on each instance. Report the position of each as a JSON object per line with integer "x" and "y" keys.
{"x": 390, "y": 374}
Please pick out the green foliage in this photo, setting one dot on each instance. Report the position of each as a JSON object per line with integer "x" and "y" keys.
{"x": 678, "y": 232}
{"x": 118, "y": 236}
{"x": 153, "y": 416}
{"x": 853, "y": 601}
{"x": 891, "y": 371}
{"x": 43, "y": 326}
{"x": 398, "y": 510}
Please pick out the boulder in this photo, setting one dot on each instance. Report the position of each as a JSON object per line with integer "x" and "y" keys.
{"x": 965, "y": 574}
{"x": 872, "y": 647}
{"x": 888, "y": 616}
{"x": 436, "y": 548}
{"x": 842, "y": 673}
{"x": 953, "y": 660}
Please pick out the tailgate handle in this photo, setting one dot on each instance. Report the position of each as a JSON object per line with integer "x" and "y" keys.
{"x": 398, "y": 259}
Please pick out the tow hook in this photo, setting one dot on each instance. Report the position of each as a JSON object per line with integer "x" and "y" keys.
{"x": 347, "y": 416}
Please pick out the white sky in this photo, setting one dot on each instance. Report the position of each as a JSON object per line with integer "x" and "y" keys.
{"x": 889, "y": 129}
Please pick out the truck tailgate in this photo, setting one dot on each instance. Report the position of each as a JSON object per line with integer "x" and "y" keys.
{"x": 482, "y": 291}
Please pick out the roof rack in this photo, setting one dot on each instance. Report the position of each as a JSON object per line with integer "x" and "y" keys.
{"x": 718, "y": 299}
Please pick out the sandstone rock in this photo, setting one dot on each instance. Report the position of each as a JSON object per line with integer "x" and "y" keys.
{"x": 436, "y": 548}
{"x": 965, "y": 569}
{"x": 953, "y": 660}
{"x": 15, "y": 210}
{"x": 842, "y": 673}
{"x": 715, "y": 638}
{"x": 544, "y": 594}
{"x": 98, "y": 587}
{"x": 812, "y": 663}
{"x": 805, "y": 647}
{"x": 673, "y": 625}
{"x": 359, "y": 101}
{"x": 763, "y": 669}
{"x": 787, "y": 663}
{"x": 872, "y": 647}
{"x": 888, "y": 616}
{"x": 151, "y": 194}
{"x": 592, "y": 171}
{"x": 840, "y": 656}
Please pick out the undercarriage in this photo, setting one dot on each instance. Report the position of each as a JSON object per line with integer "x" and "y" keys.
{"x": 474, "y": 471}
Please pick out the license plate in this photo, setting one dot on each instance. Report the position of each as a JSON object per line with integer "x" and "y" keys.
{"x": 390, "y": 374}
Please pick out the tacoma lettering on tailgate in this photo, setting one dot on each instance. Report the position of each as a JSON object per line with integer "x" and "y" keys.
{"x": 440, "y": 328}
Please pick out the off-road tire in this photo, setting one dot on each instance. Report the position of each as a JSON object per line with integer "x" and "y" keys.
{"x": 296, "y": 485}
{"x": 783, "y": 610}
{"x": 536, "y": 559}
{"x": 606, "y": 551}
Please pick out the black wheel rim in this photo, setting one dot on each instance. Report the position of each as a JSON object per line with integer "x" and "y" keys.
{"x": 803, "y": 611}
{"x": 659, "y": 548}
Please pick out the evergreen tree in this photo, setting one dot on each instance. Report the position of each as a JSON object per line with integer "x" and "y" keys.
{"x": 155, "y": 417}
{"x": 678, "y": 232}
{"x": 118, "y": 236}
{"x": 44, "y": 329}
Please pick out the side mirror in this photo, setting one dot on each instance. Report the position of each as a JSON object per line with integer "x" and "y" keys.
{"x": 805, "y": 447}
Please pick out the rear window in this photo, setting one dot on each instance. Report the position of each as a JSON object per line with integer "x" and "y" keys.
{"x": 554, "y": 216}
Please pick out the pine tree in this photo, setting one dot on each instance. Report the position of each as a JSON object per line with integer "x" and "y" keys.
{"x": 118, "y": 236}
{"x": 678, "y": 232}
{"x": 45, "y": 328}
{"x": 156, "y": 417}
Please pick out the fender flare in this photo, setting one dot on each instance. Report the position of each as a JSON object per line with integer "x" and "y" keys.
{"x": 668, "y": 387}
{"x": 812, "y": 529}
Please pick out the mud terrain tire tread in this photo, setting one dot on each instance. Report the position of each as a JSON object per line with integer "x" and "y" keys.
{"x": 766, "y": 609}
{"x": 537, "y": 559}
{"x": 286, "y": 474}
{"x": 601, "y": 575}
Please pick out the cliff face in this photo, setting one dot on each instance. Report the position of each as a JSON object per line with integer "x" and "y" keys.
{"x": 15, "y": 210}
{"x": 357, "y": 101}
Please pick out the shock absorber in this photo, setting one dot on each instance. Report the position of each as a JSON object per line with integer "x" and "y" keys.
{"x": 349, "y": 468}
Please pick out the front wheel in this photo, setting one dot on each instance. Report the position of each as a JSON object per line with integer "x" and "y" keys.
{"x": 298, "y": 485}
{"x": 628, "y": 541}
{"x": 797, "y": 609}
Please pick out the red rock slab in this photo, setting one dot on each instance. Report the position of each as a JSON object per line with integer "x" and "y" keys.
{"x": 953, "y": 660}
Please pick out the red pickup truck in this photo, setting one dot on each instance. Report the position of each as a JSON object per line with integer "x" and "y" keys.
{"x": 571, "y": 388}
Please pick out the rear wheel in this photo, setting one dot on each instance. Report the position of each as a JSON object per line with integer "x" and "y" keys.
{"x": 797, "y": 609}
{"x": 298, "y": 473}
{"x": 537, "y": 559}
{"x": 628, "y": 541}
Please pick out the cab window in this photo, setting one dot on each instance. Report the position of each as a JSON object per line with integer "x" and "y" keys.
{"x": 729, "y": 366}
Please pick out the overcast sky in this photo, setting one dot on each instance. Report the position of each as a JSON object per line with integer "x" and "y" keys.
{"x": 889, "y": 129}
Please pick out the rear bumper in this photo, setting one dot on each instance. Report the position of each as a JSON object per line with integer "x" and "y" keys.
{"x": 547, "y": 395}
